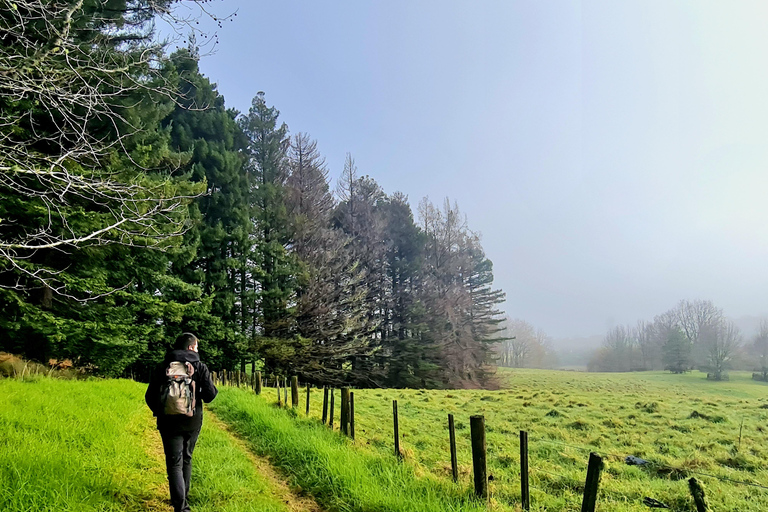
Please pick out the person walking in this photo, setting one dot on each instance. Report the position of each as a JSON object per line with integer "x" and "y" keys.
{"x": 175, "y": 394}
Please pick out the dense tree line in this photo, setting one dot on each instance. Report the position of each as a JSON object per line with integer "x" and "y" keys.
{"x": 693, "y": 335}
{"x": 135, "y": 205}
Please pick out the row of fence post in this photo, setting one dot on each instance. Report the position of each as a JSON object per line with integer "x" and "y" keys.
{"x": 477, "y": 436}
{"x": 480, "y": 462}
{"x": 347, "y": 419}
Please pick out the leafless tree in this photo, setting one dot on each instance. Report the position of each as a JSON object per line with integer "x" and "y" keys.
{"x": 517, "y": 351}
{"x": 647, "y": 342}
{"x": 77, "y": 80}
{"x": 692, "y": 317}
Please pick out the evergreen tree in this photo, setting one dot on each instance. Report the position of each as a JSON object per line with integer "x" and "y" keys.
{"x": 273, "y": 268}
{"x": 202, "y": 127}
{"x": 677, "y": 352}
{"x": 403, "y": 348}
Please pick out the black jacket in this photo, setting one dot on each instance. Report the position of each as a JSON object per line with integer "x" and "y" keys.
{"x": 205, "y": 392}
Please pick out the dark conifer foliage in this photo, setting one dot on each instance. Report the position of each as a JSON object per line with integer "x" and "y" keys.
{"x": 148, "y": 208}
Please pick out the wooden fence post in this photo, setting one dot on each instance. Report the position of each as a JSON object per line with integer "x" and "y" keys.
{"x": 258, "y": 383}
{"x": 294, "y": 392}
{"x": 352, "y": 415}
{"x": 524, "y": 489}
{"x": 330, "y": 419}
{"x": 592, "y": 483}
{"x": 397, "y": 428}
{"x": 452, "y": 439}
{"x": 325, "y": 404}
{"x": 344, "y": 413}
{"x": 697, "y": 491}
{"x": 215, "y": 378}
{"x": 479, "y": 466}
{"x": 307, "y": 398}
{"x": 285, "y": 390}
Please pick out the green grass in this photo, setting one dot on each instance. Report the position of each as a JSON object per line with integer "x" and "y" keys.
{"x": 92, "y": 446}
{"x": 567, "y": 415}
{"x": 340, "y": 477}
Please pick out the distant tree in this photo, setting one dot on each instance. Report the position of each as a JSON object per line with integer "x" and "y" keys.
{"x": 692, "y": 316}
{"x": 524, "y": 346}
{"x": 720, "y": 341}
{"x": 617, "y": 351}
{"x": 759, "y": 348}
{"x": 677, "y": 351}
{"x": 646, "y": 340}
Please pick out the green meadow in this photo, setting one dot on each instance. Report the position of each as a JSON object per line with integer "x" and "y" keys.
{"x": 683, "y": 425}
{"x": 91, "y": 445}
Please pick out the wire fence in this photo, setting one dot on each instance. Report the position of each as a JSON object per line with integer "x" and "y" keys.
{"x": 282, "y": 385}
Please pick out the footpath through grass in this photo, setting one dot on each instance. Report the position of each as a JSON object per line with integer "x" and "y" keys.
{"x": 340, "y": 476}
{"x": 91, "y": 445}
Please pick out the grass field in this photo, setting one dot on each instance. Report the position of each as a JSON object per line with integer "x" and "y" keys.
{"x": 341, "y": 477}
{"x": 684, "y": 424}
{"x": 91, "y": 446}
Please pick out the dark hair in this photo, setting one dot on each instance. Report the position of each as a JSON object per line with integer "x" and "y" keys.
{"x": 184, "y": 341}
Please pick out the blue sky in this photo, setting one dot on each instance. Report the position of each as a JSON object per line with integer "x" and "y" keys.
{"x": 612, "y": 154}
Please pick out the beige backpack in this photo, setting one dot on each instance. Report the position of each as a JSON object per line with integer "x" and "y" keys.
{"x": 178, "y": 393}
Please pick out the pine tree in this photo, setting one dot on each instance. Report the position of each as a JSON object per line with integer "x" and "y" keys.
{"x": 272, "y": 268}
{"x": 677, "y": 352}
{"x": 201, "y": 126}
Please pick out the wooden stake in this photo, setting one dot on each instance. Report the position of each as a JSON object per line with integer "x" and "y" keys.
{"x": 325, "y": 404}
{"x": 294, "y": 392}
{"x": 697, "y": 491}
{"x": 592, "y": 483}
{"x": 258, "y": 383}
{"x": 479, "y": 456}
{"x": 454, "y": 459}
{"x": 307, "y": 398}
{"x": 524, "y": 490}
{"x": 397, "y": 429}
{"x": 330, "y": 420}
{"x": 344, "y": 413}
{"x": 352, "y": 415}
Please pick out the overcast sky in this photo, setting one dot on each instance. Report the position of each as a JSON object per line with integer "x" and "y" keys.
{"x": 612, "y": 154}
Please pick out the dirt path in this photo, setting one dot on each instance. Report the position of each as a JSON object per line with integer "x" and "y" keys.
{"x": 293, "y": 501}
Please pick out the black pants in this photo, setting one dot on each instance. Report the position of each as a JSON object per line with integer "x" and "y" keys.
{"x": 178, "y": 447}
